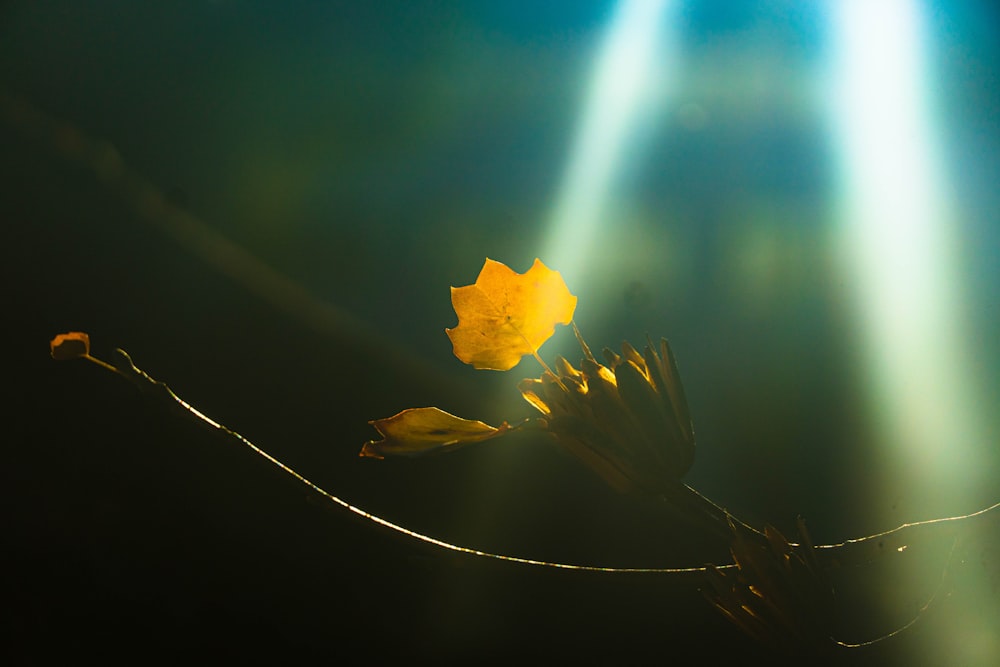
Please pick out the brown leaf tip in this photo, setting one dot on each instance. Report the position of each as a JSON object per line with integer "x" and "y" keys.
{"x": 70, "y": 345}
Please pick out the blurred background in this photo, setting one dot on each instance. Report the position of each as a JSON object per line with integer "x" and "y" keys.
{"x": 265, "y": 204}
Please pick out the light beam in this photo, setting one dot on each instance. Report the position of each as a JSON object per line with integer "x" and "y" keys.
{"x": 897, "y": 240}
{"x": 618, "y": 92}
{"x": 897, "y": 234}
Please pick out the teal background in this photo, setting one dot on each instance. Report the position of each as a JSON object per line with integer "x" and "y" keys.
{"x": 374, "y": 154}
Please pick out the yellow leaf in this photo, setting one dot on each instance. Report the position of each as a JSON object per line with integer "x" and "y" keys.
{"x": 420, "y": 431}
{"x": 506, "y": 315}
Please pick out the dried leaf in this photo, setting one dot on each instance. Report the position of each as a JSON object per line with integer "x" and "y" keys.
{"x": 420, "y": 431}
{"x": 506, "y": 315}
{"x": 70, "y": 345}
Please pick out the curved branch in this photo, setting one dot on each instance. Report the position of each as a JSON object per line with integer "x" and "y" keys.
{"x": 851, "y": 552}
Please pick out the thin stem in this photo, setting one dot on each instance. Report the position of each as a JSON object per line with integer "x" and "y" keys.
{"x": 548, "y": 370}
{"x": 103, "y": 364}
{"x": 695, "y": 509}
{"x": 545, "y": 366}
{"x": 851, "y": 552}
{"x": 163, "y": 393}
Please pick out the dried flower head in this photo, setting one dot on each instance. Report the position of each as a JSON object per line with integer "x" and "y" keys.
{"x": 627, "y": 420}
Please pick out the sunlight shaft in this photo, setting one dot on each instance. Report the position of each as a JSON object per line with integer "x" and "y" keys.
{"x": 896, "y": 237}
{"x": 629, "y": 60}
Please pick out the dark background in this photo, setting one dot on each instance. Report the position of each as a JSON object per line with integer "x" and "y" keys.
{"x": 373, "y": 154}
